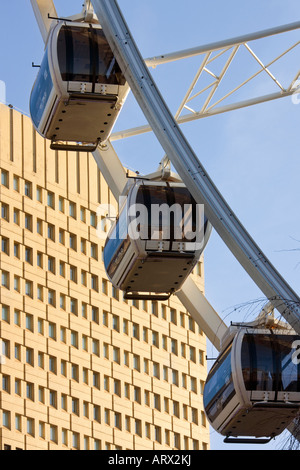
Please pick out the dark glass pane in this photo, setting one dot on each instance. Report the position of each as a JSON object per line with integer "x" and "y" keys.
{"x": 109, "y": 71}
{"x": 219, "y": 388}
{"x": 41, "y": 92}
{"x": 267, "y": 363}
{"x": 116, "y": 245}
{"x": 289, "y": 366}
{"x": 84, "y": 55}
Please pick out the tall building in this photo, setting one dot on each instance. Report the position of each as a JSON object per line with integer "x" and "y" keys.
{"x": 80, "y": 367}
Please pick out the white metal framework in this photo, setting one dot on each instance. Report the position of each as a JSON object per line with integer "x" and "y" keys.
{"x": 208, "y": 55}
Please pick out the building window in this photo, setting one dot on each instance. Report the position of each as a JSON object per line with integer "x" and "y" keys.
{"x": 30, "y": 426}
{"x": 93, "y": 219}
{"x": 84, "y": 278}
{"x": 17, "y": 317}
{"x": 135, "y": 331}
{"x": 16, "y": 216}
{"x": 6, "y": 419}
{"x": 61, "y": 205}
{"x": 95, "y": 314}
{"x": 155, "y": 339}
{"x": 74, "y": 306}
{"x": 29, "y": 322}
{"x": 73, "y": 273}
{"x": 29, "y": 356}
{"x": 17, "y": 283}
{"x": 52, "y": 364}
{"x": 194, "y": 384}
{"x": 136, "y": 362}
{"x": 6, "y": 383}
{"x": 116, "y": 355}
{"x": 61, "y": 236}
{"x": 5, "y": 245}
{"x": 18, "y": 420}
{"x": 42, "y": 430}
{"x": 74, "y": 339}
{"x": 83, "y": 246}
{"x": 72, "y": 210}
{"x": 52, "y": 331}
{"x": 75, "y": 406}
{"x": 95, "y": 347}
{"x": 94, "y": 251}
{"x": 157, "y": 434}
{"x": 39, "y": 226}
{"x": 5, "y": 211}
{"x": 28, "y": 255}
{"x": 118, "y": 420}
{"x": 115, "y": 323}
{"x": 53, "y": 433}
{"x": 40, "y": 290}
{"x": 50, "y": 199}
{"x": 5, "y": 279}
{"x": 84, "y": 310}
{"x": 82, "y": 214}
{"x": 62, "y": 268}
{"x": 104, "y": 286}
{"x": 16, "y": 183}
{"x": 173, "y": 316}
{"x": 74, "y": 372}
{"x": 17, "y": 250}
{"x": 5, "y": 313}
{"x": 28, "y": 189}
{"x": 29, "y": 289}
{"x": 94, "y": 282}
{"x": 73, "y": 241}
{"x": 4, "y": 178}
{"x": 30, "y": 391}
{"x": 39, "y": 260}
{"x": 39, "y": 194}
{"x": 28, "y": 222}
{"x": 51, "y": 232}
{"x": 156, "y": 370}
{"x": 138, "y": 427}
{"x": 51, "y": 297}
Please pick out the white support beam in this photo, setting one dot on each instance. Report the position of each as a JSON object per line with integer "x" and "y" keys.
{"x": 41, "y": 9}
{"x": 215, "y": 46}
{"x": 202, "y": 312}
{"x": 212, "y": 111}
{"x": 111, "y": 168}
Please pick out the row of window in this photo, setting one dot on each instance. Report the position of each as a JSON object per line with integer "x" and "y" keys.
{"x": 21, "y": 285}
{"x": 72, "y": 439}
{"x": 43, "y": 294}
{"x": 48, "y": 197}
{"x": 148, "y": 335}
{"x": 91, "y": 411}
{"x": 70, "y": 370}
{"x": 49, "y": 231}
{"x": 28, "y": 426}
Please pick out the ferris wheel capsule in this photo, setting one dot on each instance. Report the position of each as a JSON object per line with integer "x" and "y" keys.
{"x": 79, "y": 90}
{"x": 253, "y": 389}
{"x": 156, "y": 241}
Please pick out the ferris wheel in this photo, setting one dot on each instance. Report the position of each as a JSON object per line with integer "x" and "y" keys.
{"x": 91, "y": 63}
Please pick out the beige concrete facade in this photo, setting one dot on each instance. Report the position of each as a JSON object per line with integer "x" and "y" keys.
{"x": 80, "y": 367}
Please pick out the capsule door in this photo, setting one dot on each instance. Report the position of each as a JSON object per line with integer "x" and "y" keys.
{"x": 43, "y": 95}
{"x": 220, "y": 397}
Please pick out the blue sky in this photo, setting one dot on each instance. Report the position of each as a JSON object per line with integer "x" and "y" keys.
{"x": 252, "y": 154}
